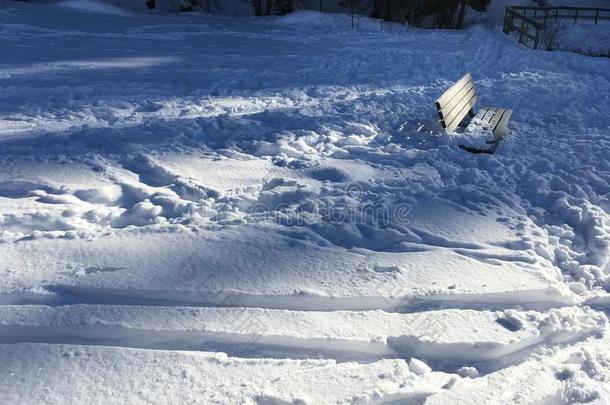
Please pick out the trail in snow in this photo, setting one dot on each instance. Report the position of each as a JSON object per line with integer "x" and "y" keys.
{"x": 447, "y": 339}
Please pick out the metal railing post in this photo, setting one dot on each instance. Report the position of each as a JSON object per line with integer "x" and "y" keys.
{"x": 522, "y": 32}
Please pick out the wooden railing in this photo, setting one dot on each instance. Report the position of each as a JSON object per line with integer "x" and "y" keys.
{"x": 530, "y": 22}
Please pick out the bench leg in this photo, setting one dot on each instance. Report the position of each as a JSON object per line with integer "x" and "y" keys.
{"x": 490, "y": 151}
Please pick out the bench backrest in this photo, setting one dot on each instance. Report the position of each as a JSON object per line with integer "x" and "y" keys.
{"x": 456, "y": 102}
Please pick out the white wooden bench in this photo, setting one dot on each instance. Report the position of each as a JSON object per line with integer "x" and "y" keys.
{"x": 459, "y": 101}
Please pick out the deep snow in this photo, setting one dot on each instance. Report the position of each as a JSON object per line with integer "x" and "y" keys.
{"x": 279, "y": 190}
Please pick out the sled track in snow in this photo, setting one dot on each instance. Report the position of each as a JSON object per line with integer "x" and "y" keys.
{"x": 69, "y": 295}
{"x": 486, "y": 357}
{"x": 438, "y": 356}
{"x": 444, "y": 338}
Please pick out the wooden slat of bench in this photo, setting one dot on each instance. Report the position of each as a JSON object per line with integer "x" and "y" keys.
{"x": 467, "y": 90}
{"x": 456, "y": 102}
{"x": 461, "y": 110}
{"x": 448, "y": 107}
{"x": 502, "y": 125}
{"x": 486, "y": 115}
{"x": 442, "y": 101}
{"x": 498, "y": 112}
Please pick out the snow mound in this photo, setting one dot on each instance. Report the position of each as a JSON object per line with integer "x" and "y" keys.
{"x": 40, "y": 373}
{"x": 96, "y": 7}
{"x": 584, "y": 38}
{"x": 418, "y": 367}
{"x": 304, "y": 18}
{"x": 336, "y": 22}
{"x": 571, "y": 375}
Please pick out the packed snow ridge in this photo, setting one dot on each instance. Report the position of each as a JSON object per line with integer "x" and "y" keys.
{"x": 266, "y": 211}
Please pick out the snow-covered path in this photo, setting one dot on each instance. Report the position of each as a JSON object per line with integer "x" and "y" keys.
{"x": 277, "y": 190}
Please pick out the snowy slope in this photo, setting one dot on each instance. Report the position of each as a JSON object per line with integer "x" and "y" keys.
{"x": 147, "y": 376}
{"x": 275, "y": 198}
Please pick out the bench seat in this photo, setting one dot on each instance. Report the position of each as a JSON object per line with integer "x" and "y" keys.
{"x": 494, "y": 119}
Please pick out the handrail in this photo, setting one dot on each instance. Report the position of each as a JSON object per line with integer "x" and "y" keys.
{"x": 594, "y": 13}
{"x": 519, "y": 13}
{"x": 530, "y": 20}
{"x": 560, "y": 8}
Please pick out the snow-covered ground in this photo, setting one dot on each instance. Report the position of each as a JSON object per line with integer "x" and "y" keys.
{"x": 211, "y": 209}
{"x": 588, "y": 39}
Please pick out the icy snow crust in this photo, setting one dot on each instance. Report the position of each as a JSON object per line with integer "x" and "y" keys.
{"x": 275, "y": 198}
